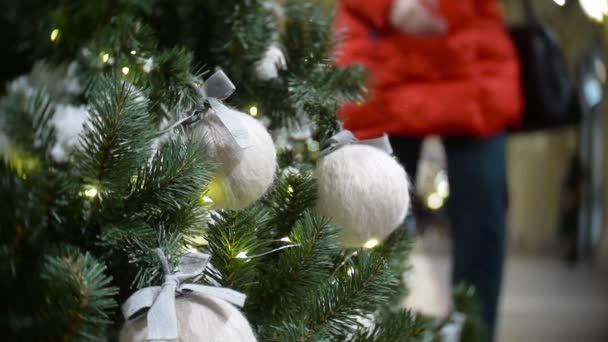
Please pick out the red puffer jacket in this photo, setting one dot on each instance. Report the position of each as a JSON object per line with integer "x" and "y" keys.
{"x": 464, "y": 82}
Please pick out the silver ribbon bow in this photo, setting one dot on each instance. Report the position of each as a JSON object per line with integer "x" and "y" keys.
{"x": 346, "y": 137}
{"x": 161, "y": 316}
{"x": 216, "y": 88}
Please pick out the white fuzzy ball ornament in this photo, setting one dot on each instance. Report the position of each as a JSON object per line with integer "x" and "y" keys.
{"x": 239, "y": 143}
{"x": 362, "y": 189}
{"x": 185, "y": 312}
{"x": 199, "y": 319}
{"x": 244, "y": 174}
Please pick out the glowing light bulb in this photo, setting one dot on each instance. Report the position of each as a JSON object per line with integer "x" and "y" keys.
{"x": 560, "y": 2}
{"x": 242, "y": 255}
{"x": 443, "y": 188}
{"x": 313, "y": 146}
{"x": 371, "y": 243}
{"x": 286, "y": 239}
{"x": 125, "y": 70}
{"x": 133, "y": 52}
{"x": 350, "y": 271}
{"x": 290, "y": 189}
{"x": 207, "y": 199}
{"x": 253, "y": 111}
{"x": 595, "y": 9}
{"x": 105, "y": 57}
{"x": 91, "y": 193}
{"x": 54, "y": 35}
{"x": 434, "y": 201}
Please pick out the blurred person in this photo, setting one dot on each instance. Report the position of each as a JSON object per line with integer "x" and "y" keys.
{"x": 444, "y": 68}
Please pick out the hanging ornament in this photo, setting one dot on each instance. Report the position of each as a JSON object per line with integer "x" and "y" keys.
{"x": 273, "y": 60}
{"x": 362, "y": 189}
{"x": 240, "y": 143}
{"x": 185, "y": 312}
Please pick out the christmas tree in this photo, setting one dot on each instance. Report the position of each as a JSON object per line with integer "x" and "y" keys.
{"x": 96, "y": 175}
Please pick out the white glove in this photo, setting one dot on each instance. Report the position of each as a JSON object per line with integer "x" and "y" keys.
{"x": 416, "y": 17}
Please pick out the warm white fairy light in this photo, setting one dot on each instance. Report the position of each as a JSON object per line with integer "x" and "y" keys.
{"x": 443, "y": 188}
{"x": 90, "y": 193}
{"x": 434, "y": 201}
{"x": 125, "y": 70}
{"x": 242, "y": 255}
{"x": 286, "y": 239}
{"x": 133, "y": 52}
{"x": 290, "y": 189}
{"x": 351, "y": 271}
{"x": 207, "y": 199}
{"x": 54, "y": 35}
{"x": 253, "y": 111}
{"x": 371, "y": 243}
{"x": 105, "y": 57}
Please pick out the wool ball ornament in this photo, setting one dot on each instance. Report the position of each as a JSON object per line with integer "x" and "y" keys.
{"x": 183, "y": 311}
{"x": 244, "y": 174}
{"x": 239, "y": 143}
{"x": 200, "y": 318}
{"x": 363, "y": 190}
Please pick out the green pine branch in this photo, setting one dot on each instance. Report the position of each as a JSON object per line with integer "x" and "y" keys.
{"x": 173, "y": 179}
{"x": 117, "y": 140}
{"x": 292, "y": 195}
{"x": 78, "y": 303}
{"x": 296, "y": 272}
{"x": 25, "y": 119}
{"x": 232, "y": 239}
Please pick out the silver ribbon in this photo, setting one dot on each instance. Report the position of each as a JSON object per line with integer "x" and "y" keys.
{"x": 160, "y": 300}
{"x": 216, "y": 88}
{"x": 346, "y": 137}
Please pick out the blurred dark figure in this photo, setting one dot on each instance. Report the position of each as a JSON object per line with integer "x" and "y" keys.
{"x": 569, "y": 209}
{"x": 443, "y": 68}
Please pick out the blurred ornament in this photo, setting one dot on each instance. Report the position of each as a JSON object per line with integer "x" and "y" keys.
{"x": 595, "y": 9}
{"x": 273, "y": 60}
{"x": 362, "y": 189}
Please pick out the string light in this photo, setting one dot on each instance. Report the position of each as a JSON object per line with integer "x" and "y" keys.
{"x": 105, "y": 57}
{"x": 371, "y": 243}
{"x": 434, "y": 201}
{"x": 443, "y": 188}
{"x": 54, "y": 35}
{"x": 253, "y": 111}
{"x": 125, "y": 70}
{"x": 286, "y": 239}
{"x": 290, "y": 189}
{"x": 313, "y": 146}
{"x": 207, "y": 199}
{"x": 133, "y": 52}
{"x": 242, "y": 255}
{"x": 91, "y": 192}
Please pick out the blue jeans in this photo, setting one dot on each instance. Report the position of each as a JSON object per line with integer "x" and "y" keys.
{"x": 476, "y": 208}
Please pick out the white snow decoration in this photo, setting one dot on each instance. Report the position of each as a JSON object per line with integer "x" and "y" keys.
{"x": 68, "y": 122}
{"x": 273, "y": 60}
{"x": 148, "y": 65}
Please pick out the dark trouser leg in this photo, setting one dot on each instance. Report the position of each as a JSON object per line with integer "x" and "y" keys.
{"x": 407, "y": 151}
{"x": 477, "y": 208}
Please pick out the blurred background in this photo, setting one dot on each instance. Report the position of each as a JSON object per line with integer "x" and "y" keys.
{"x": 556, "y": 281}
{"x": 555, "y": 286}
